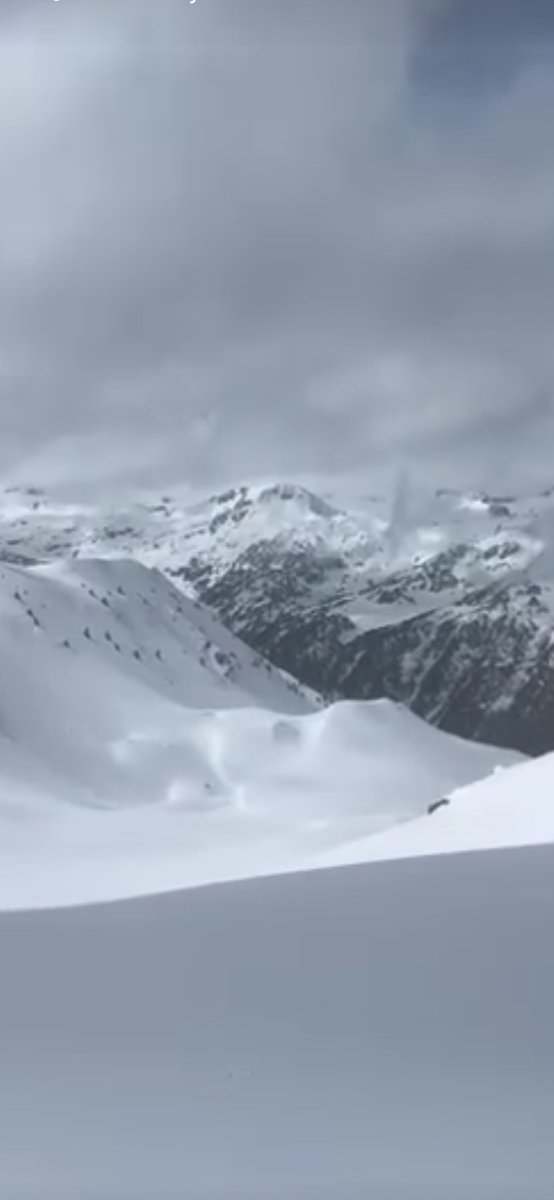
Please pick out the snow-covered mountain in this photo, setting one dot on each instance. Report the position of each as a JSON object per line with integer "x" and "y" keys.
{"x": 448, "y": 608}
{"x": 444, "y": 602}
{"x": 269, "y": 1037}
{"x": 143, "y": 747}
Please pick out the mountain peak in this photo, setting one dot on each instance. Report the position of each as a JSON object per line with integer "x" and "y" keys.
{"x": 302, "y": 497}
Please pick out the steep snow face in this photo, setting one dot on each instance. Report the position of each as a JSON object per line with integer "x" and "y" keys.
{"x": 143, "y": 748}
{"x": 97, "y": 658}
{"x": 133, "y": 618}
{"x": 382, "y": 1032}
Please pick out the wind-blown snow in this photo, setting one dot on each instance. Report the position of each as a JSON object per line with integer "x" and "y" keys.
{"x": 143, "y": 748}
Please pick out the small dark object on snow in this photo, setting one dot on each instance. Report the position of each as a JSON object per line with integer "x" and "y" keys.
{"x": 437, "y": 804}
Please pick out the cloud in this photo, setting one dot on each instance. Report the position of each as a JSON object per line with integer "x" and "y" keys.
{"x": 245, "y": 238}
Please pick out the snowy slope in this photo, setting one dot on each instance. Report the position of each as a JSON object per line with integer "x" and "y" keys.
{"x": 443, "y": 601}
{"x": 143, "y": 748}
{"x": 378, "y": 1030}
{"x": 507, "y": 809}
{"x": 98, "y": 658}
{"x": 369, "y": 1032}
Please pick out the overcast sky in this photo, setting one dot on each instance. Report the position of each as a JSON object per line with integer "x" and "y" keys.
{"x": 247, "y": 238}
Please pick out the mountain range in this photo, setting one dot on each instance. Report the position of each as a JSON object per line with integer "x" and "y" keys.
{"x": 443, "y": 601}
{"x": 356, "y": 977}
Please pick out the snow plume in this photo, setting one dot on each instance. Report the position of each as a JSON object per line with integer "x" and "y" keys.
{"x": 400, "y": 515}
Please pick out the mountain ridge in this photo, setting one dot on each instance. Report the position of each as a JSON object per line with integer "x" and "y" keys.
{"x": 441, "y": 600}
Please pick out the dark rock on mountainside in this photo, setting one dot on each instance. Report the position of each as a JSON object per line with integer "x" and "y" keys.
{"x": 433, "y": 808}
{"x": 444, "y": 602}
{"x": 481, "y": 666}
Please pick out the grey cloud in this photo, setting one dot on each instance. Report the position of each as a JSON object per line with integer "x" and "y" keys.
{"x": 248, "y": 236}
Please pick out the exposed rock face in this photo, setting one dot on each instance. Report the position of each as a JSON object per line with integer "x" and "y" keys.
{"x": 481, "y": 667}
{"x": 464, "y": 636}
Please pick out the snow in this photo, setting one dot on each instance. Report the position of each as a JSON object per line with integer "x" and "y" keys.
{"x": 475, "y": 504}
{"x": 342, "y": 1028}
{"x": 509, "y": 808}
{"x": 143, "y": 748}
{"x": 360, "y": 545}
{"x": 382, "y": 1031}
{"x": 356, "y": 541}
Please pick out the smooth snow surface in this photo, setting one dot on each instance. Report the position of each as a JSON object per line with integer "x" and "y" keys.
{"x": 377, "y": 1032}
{"x": 510, "y": 808}
{"x": 143, "y": 748}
